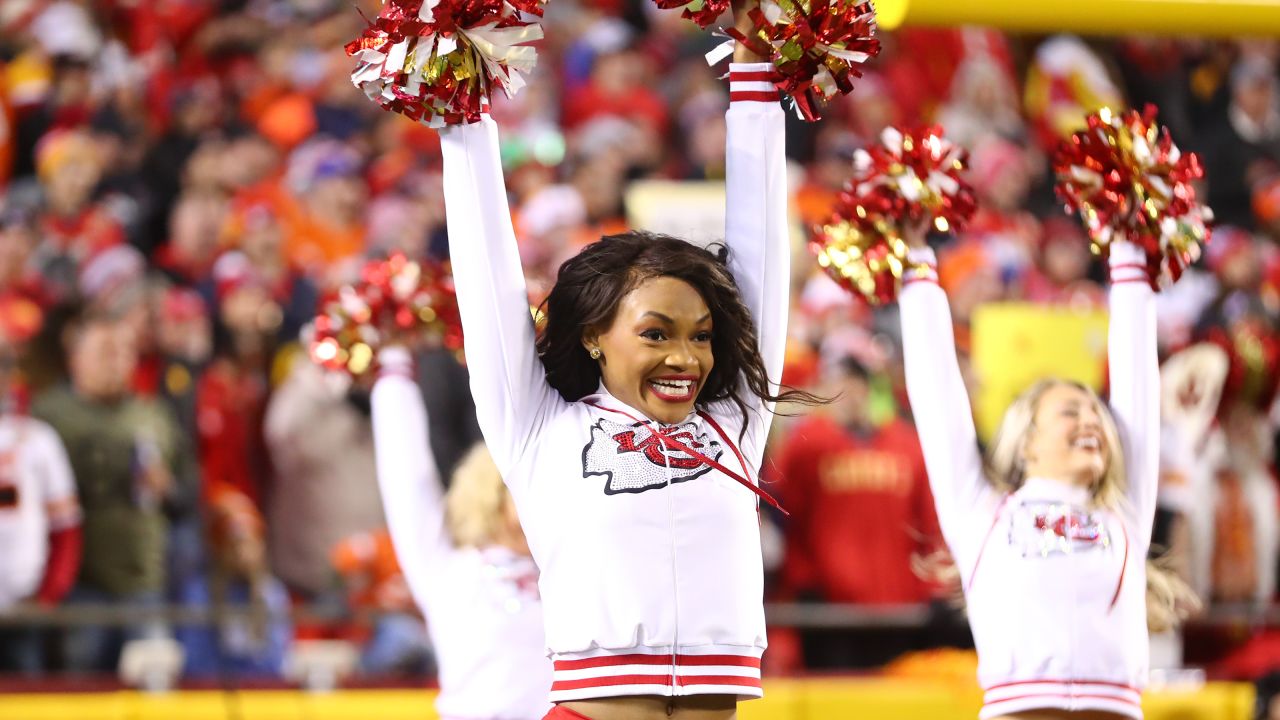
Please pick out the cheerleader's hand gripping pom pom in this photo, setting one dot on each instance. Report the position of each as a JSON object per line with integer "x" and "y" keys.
{"x": 817, "y": 47}
{"x": 437, "y": 61}
{"x": 910, "y": 181}
{"x": 396, "y": 299}
{"x": 1126, "y": 180}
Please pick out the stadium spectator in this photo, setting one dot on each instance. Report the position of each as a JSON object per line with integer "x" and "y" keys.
{"x": 251, "y": 632}
{"x": 132, "y": 466}
{"x": 397, "y": 641}
{"x": 320, "y": 443}
{"x": 39, "y": 520}
{"x": 854, "y": 477}
{"x": 1243, "y": 147}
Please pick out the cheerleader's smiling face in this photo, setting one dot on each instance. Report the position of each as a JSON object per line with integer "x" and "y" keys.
{"x": 656, "y": 355}
{"x": 1067, "y": 440}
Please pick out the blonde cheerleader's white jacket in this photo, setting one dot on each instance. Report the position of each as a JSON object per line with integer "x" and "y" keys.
{"x": 652, "y": 581}
{"x": 1055, "y": 588}
{"x": 482, "y": 607}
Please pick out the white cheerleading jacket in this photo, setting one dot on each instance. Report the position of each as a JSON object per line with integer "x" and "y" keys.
{"x": 482, "y": 607}
{"x": 1055, "y": 587}
{"x": 651, "y": 572}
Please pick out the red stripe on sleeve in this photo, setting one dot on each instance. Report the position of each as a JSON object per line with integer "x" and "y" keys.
{"x": 753, "y": 96}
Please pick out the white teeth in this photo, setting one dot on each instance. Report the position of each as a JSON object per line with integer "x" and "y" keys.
{"x": 673, "y": 384}
{"x": 1088, "y": 442}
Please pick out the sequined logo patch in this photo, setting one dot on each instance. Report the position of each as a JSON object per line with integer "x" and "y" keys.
{"x": 1043, "y": 528}
{"x": 632, "y": 458}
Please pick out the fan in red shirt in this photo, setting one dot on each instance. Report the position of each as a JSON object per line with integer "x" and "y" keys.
{"x": 855, "y": 484}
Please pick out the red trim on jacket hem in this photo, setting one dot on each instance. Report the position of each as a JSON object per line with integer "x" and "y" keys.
{"x": 664, "y": 659}
{"x": 1107, "y": 683}
{"x": 661, "y": 680}
{"x": 1063, "y": 696}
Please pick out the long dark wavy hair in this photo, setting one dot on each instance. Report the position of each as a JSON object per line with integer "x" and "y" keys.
{"x": 590, "y": 285}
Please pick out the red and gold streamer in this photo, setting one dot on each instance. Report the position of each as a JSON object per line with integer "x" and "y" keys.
{"x": 912, "y": 178}
{"x": 438, "y": 61}
{"x": 1127, "y": 180}
{"x": 395, "y": 297}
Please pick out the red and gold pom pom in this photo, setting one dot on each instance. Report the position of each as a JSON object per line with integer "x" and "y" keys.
{"x": 816, "y": 46}
{"x": 912, "y": 178}
{"x": 865, "y": 261}
{"x": 702, "y": 12}
{"x": 395, "y": 297}
{"x": 437, "y": 61}
{"x": 1128, "y": 181}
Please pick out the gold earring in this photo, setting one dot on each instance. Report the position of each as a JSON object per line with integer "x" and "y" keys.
{"x": 595, "y": 353}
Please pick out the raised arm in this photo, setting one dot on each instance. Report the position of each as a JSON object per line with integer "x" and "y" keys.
{"x": 939, "y": 401}
{"x": 510, "y": 389}
{"x": 756, "y": 222}
{"x": 412, "y": 497}
{"x": 1135, "y": 380}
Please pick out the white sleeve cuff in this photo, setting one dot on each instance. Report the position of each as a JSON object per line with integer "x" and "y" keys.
{"x": 923, "y": 255}
{"x": 1126, "y": 253}
{"x": 395, "y": 357}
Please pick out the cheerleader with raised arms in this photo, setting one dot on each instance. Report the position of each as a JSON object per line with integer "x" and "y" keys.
{"x": 1050, "y": 535}
{"x": 630, "y": 430}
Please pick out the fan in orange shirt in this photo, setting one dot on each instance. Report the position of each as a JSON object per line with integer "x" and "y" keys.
{"x": 322, "y": 212}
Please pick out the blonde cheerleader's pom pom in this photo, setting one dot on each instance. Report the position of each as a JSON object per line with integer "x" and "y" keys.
{"x": 1126, "y": 180}
{"x": 911, "y": 177}
{"x": 395, "y": 297}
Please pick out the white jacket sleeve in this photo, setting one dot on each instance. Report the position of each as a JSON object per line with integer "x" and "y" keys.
{"x": 412, "y": 496}
{"x": 510, "y": 389}
{"x": 61, "y": 503}
{"x": 940, "y": 402}
{"x": 756, "y": 231}
{"x": 1135, "y": 381}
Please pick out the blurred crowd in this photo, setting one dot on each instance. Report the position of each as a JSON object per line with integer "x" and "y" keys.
{"x": 181, "y": 180}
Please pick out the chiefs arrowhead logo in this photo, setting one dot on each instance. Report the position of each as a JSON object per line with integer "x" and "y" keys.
{"x": 1044, "y": 528}
{"x": 632, "y": 458}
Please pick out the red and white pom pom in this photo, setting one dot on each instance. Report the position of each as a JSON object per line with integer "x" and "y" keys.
{"x": 914, "y": 175}
{"x": 1128, "y": 181}
{"x": 911, "y": 178}
{"x": 702, "y": 12}
{"x": 393, "y": 298}
{"x": 817, "y": 47}
{"x": 438, "y": 61}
